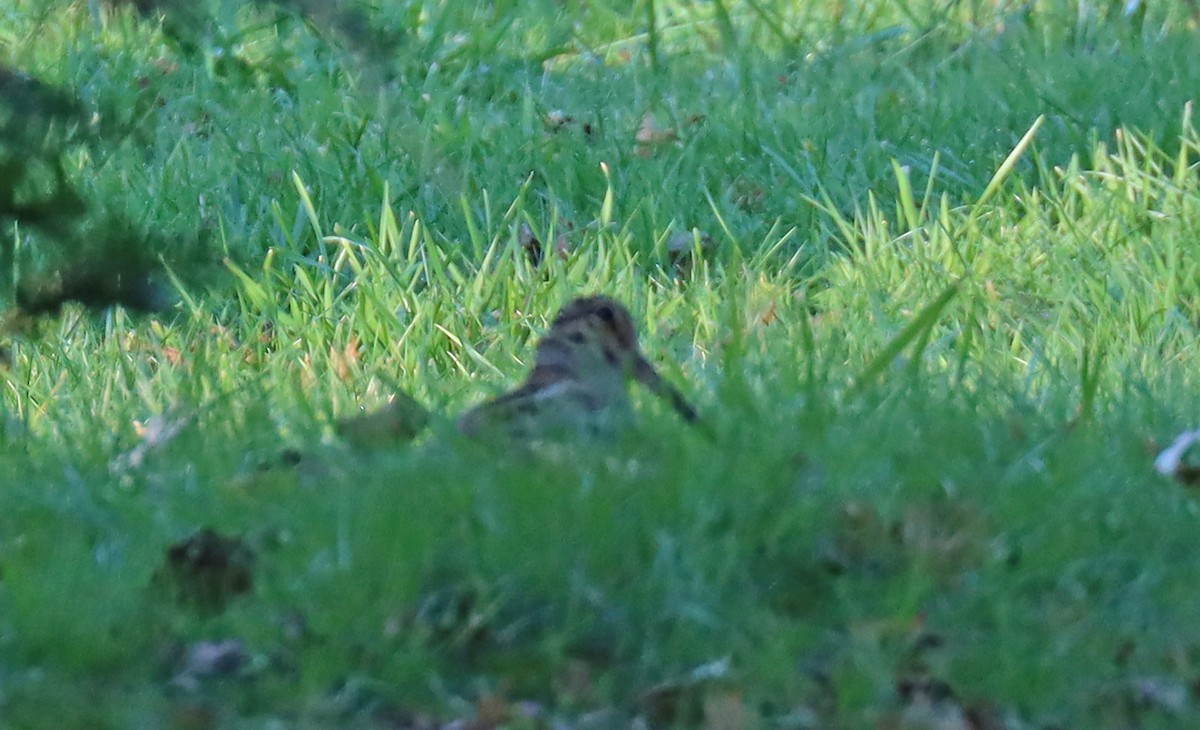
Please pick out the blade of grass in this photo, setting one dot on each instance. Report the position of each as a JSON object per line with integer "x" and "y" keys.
{"x": 916, "y": 329}
{"x": 1009, "y": 163}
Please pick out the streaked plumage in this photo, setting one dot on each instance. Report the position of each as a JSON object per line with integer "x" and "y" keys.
{"x": 579, "y": 377}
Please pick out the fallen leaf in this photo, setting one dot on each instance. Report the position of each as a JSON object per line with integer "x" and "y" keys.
{"x": 172, "y": 355}
{"x": 563, "y": 246}
{"x": 763, "y": 303}
{"x": 531, "y": 244}
{"x": 534, "y": 249}
{"x": 949, "y": 535}
{"x": 193, "y": 716}
{"x": 768, "y": 315}
{"x": 680, "y": 701}
{"x": 748, "y": 196}
{"x": 926, "y": 704}
{"x": 266, "y": 333}
{"x": 651, "y": 135}
{"x": 575, "y": 684}
{"x": 346, "y": 360}
{"x": 564, "y": 242}
{"x": 491, "y": 711}
{"x": 862, "y": 541}
{"x": 206, "y": 570}
{"x": 725, "y": 710}
{"x": 985, "y": 716}
{"x": 166, "y": 65}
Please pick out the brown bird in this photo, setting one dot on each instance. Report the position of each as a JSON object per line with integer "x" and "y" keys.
{"x": 401, "y": 420}
{"x": 579, "y": 378}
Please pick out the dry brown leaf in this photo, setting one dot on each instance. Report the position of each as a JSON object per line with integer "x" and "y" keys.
{"x": 926, "y": 704}
{"x": 563, "y": 246}
{"x": 763, "y": 303}
{"x": 680, "y": 701}
{"x": 862, "y": 540}
{"x": 650, "y": 135}
{"x": 575, "y": 683}
{"x": 664, "y": 704}
{"x": 949, "y": 535}
{"x": 531, "y": 244}
{"x": 193, "y": 716}
{"x": 345, "y": 361}
{"x": 768, "y": 316}
{"x": 534, "y": 249}
{"x": 166, "y": 65}
{"x": 725, "y": 710}
{"x": 266, "y": 332}
{"x": 491, "y": 710}
{"x": 985, "y": 716}
{"x": 1016, "y": 428}
{"x": 748, "y": 196}
{"x": 564, "y": 243}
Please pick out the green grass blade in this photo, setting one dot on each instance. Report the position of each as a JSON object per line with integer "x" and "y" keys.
{"x": 918, "y": 328}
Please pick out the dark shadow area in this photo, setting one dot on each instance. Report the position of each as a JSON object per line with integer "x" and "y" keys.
{"x": 58, "y": 246}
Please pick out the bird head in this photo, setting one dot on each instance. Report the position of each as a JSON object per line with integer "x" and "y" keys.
{"x": 605, "y": 329}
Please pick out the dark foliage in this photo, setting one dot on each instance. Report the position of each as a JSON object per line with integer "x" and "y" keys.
{"x": 95, "y": 259}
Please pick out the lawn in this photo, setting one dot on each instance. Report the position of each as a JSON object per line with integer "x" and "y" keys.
{"x": 928, "y": 271}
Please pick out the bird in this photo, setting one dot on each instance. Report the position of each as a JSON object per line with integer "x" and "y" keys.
{"x": 400, "y": 421}
{"x": 578, "y": 385}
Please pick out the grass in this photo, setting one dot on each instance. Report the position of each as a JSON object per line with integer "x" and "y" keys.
{"x": 937, "y": 357}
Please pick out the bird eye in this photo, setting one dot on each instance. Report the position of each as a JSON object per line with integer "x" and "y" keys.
{"x": 607, "y": 314}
